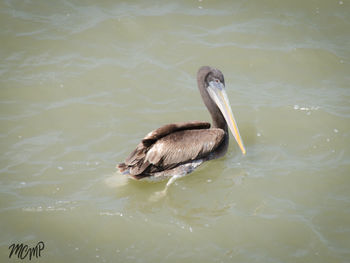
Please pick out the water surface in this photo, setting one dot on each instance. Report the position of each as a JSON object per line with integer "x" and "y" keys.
{"x": 83, "y": 81}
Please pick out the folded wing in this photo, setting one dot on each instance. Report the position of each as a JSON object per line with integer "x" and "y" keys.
{"x": 170, "y": 146}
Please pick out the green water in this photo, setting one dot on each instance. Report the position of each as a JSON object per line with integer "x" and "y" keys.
{"x": 83, "y": 81}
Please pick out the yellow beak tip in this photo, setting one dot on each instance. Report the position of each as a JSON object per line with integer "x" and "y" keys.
{"x": 243, "y": 150}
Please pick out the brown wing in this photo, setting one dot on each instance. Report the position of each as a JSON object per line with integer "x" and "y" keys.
{"x": 155, "y": 135}
{"x": 184, "y": 146}
{"x": 171, "y": 145}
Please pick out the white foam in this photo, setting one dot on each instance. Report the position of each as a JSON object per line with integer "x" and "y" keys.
{"x": 116, "y": 180}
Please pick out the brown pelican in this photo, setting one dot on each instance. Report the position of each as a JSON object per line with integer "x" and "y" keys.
{"x": 176, "y": 149}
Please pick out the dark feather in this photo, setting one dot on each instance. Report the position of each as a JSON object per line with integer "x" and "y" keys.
{"x": 170, "y": 146}
{"x": 151, "y": 137}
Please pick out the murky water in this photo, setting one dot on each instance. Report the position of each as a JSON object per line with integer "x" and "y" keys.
{"x": 83, "y": 81}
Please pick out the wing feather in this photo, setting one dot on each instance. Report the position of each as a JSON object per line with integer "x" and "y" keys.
{"x": 170, "y": 145}
{"x": 163, "y": 131}
{"x": 184, "y": 146}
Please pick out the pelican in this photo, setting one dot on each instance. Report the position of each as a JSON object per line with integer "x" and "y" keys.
{"x": 177, "y": 149}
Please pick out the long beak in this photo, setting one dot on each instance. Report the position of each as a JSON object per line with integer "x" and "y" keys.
{"x": 218, "y": 94}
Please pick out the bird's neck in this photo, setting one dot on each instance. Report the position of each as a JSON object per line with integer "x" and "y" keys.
{"x": 218, "y": 120}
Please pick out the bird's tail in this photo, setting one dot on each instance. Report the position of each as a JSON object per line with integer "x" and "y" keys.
{"x": 123, "y": 168}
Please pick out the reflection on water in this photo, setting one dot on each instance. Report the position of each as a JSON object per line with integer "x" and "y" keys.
{"x": 82, "y": 83}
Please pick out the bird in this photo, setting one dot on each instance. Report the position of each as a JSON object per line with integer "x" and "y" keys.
{"x": 177, "y": 149}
